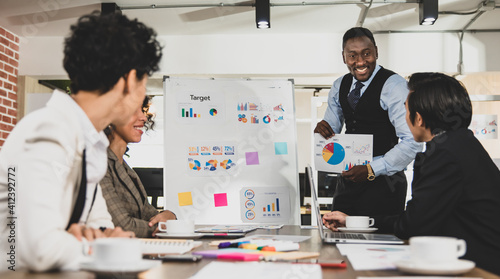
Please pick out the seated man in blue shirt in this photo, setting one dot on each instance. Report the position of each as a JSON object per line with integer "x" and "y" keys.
{"x": 456, "y": 185}
{"x": 370, "y": 99}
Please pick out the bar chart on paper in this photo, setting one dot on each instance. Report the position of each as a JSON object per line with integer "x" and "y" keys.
{"x": 188, "y": 112}
{"x": 273, "y": 208}
{"x": 265, "y": 204}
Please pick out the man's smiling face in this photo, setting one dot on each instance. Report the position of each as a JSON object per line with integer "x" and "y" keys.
{"x": 360, "y": 55}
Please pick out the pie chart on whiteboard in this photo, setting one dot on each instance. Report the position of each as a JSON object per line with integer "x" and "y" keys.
{"x": 333, "y": 153}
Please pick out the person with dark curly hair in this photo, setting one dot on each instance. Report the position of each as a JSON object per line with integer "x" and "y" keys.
{"x": 55, "y": 157}
{"x": 122, "y": 188}
{"x": 456, "y": 185}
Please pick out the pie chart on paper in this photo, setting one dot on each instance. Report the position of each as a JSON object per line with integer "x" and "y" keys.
{"x": 333, "y": 153}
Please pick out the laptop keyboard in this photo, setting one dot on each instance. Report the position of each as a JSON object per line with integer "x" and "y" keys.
{"x": 347, "y": 235}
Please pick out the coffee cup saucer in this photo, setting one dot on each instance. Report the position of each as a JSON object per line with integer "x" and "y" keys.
{"x": 124, "y": 270}
{"x": 357, "y": 230}
{"x": 450, "y": 268}
{"x": 179, "y": 235}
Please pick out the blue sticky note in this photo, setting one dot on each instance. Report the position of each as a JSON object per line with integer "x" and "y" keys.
{"x": 280, "y": 148}
{"x": 252, "y": 158}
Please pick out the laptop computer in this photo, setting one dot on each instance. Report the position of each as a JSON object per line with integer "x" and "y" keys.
{"x": 340, "y": 237}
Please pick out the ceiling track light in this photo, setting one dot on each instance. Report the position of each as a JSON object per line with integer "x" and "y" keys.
{"x": 263, "y": 14}
{"x": 428, "y": 12}
{"x": 110, "y": 8}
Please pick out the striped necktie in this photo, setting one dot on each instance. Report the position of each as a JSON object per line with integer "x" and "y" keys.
{"x": 354, "y": 95}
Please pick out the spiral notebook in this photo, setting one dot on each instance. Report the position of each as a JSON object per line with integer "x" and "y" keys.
{"x": 165, "y": 246}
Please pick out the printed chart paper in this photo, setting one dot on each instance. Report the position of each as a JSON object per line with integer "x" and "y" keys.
{"x": 200, "y": 108}
{"x": 374, "y": 256}
{"x": 265, "y": 204}
{"x": 255, "y": 113}
{"x": 342, "y": 152}
{"x": 484, "y": 126}
{"x": 211, "y": 158}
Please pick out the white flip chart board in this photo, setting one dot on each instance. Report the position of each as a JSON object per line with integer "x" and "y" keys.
{"x": 231, "y": 151}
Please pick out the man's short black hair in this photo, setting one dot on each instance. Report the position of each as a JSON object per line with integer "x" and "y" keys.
{"x": 103, "y": 48}
{"x": 441, "y": 100}
{"x": 357, "y": 32}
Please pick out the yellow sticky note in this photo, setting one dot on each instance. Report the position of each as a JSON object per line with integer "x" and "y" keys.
{"x": 185, "y": 198}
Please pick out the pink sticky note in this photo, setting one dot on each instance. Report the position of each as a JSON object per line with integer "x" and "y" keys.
{"x": 252, "y": 158}
{"x": 220, "y": 199}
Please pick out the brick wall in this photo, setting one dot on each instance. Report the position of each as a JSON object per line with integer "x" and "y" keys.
{"x": 9, "y": 63}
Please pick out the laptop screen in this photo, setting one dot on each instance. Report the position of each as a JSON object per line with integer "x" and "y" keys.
{"x": 314, "y": 200}
{"x": 345, "y": 237}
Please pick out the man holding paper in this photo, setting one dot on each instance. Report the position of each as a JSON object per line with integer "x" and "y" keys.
{"x": 370, "y": 99}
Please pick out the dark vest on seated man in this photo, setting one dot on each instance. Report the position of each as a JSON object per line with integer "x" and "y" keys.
{"x": 385, "y": 194}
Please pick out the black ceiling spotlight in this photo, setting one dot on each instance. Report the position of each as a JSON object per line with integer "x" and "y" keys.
{"x": 109, "y": 8}
{"x": 428, "y": 11}
{"x": 263, "y": 14}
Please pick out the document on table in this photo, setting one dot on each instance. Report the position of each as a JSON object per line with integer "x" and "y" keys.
{"x": 281, "y": 237}
{"x": 374, "y": 256}
{"x": 164, "y": 246}
{"x": 252, "y": 270}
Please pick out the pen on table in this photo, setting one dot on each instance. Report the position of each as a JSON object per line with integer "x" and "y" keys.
{"x": 332, "y": 263}
{"x": 174, "y": 258}
{"x": 231, "y": 244}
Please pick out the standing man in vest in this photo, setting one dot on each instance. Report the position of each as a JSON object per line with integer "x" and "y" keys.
{"x": 370, "y": 99}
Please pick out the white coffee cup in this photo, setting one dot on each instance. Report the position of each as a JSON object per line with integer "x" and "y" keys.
{"x": 436, "y": 249}
{"x": 176, "y": 226}
{"x": 116, "y": 251}
{"x": 359, "y": 222}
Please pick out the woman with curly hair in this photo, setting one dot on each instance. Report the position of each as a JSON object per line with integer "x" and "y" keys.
{"x": 122, "y": 189}
{"x": 59, "y": 151}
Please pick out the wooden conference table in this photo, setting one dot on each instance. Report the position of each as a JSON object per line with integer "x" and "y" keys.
{"x": 179, "y": 270}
